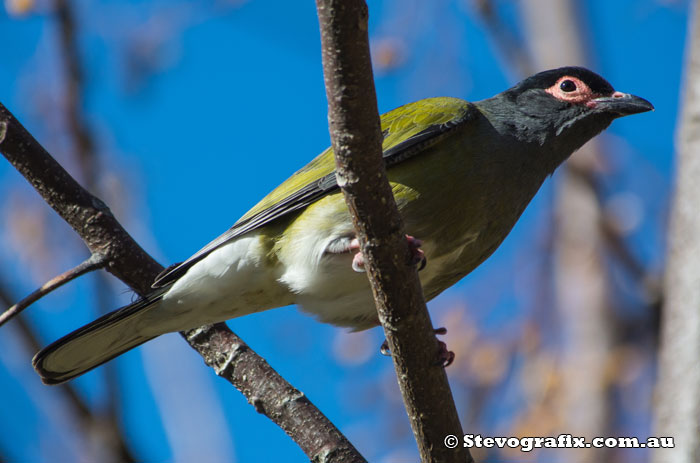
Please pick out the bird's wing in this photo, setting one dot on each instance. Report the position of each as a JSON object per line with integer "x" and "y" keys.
{"x": 407, "y": 131}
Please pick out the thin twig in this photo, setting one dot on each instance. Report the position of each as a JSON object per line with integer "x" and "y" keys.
{"x": 94, "y": 262}
{"x": 356, "y": 137}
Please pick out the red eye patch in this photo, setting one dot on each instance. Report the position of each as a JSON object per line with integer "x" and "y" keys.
{"x": 573, "y": 90}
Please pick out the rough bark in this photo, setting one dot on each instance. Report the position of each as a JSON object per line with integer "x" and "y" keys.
{"x": 356, "y": 138}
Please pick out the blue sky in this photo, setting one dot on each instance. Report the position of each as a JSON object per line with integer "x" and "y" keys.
{"x": 232, "y": 102}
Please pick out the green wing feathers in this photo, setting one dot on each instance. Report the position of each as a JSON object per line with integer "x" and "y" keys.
{"x": 398, "y": 125}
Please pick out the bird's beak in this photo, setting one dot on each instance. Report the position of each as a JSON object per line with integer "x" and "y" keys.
{"x": 622, "y": 104}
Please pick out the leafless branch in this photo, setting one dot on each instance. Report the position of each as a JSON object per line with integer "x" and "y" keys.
{"x": 356, "y": 137}
{"x": 271, "y": 395}
{"x": 94, "y": 262}
{"x": 88, "y": 215}
{"x": 102, "y": 234}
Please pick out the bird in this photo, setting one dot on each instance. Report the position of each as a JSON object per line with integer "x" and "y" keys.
{"x": 461, "y": 174}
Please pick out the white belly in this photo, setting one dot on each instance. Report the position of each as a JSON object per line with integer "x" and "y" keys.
{"x": 232, "y": 281}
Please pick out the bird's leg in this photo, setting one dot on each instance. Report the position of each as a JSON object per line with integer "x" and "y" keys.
{"x": 445, "y": 357}
{"x": 414, "y": 244}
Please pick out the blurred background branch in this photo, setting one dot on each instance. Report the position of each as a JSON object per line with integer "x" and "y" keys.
{"x": 678, "y": 389}
{"x": 585, "y": 320}
{"x": 104, "y": 429}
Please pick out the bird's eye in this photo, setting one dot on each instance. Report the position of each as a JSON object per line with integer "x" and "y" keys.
{"x": 567, "y": 86}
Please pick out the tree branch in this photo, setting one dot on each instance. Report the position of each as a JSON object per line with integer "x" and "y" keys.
{"x": 356, "y": 137}
{"x": 239, "y": 365}
{"x": 271, "y": 395}
{"x": 88, "y": 215}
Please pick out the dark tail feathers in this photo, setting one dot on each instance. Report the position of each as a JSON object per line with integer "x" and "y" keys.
{"x": 95, "y": 343}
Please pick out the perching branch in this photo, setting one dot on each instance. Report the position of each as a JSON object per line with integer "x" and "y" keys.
{"x": 94, "y": 262}
{"x": 272, "y": 395}
{"x": 356, "y": 137}
{"x": 88, "y": 215}
{"x": 235, "y": 361}
{"x": 677, "y": 404}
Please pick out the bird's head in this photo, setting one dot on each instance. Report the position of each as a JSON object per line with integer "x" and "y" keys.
{"x": 561, "y": 109}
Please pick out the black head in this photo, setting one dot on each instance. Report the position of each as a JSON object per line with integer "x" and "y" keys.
{"x": 561, "y": 108}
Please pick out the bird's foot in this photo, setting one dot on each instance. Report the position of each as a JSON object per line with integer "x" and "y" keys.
{"x": 445, "y": 357}
{"x": 358, "y": 260}
{"x": 417, "y": 255}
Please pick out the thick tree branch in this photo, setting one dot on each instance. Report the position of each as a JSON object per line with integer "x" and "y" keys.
{"x": 678, "y": 389}
{"x": 271, "y": 395}
{"x": 88, "y": 215}
{"x": 356, "y": 137}
{"x": 235, "y": 361}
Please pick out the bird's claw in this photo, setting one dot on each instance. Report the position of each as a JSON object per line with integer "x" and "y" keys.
{"x": 358, "y": 263}
{"x": 417, "y": 255}
{"x": 445, "y": 357}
